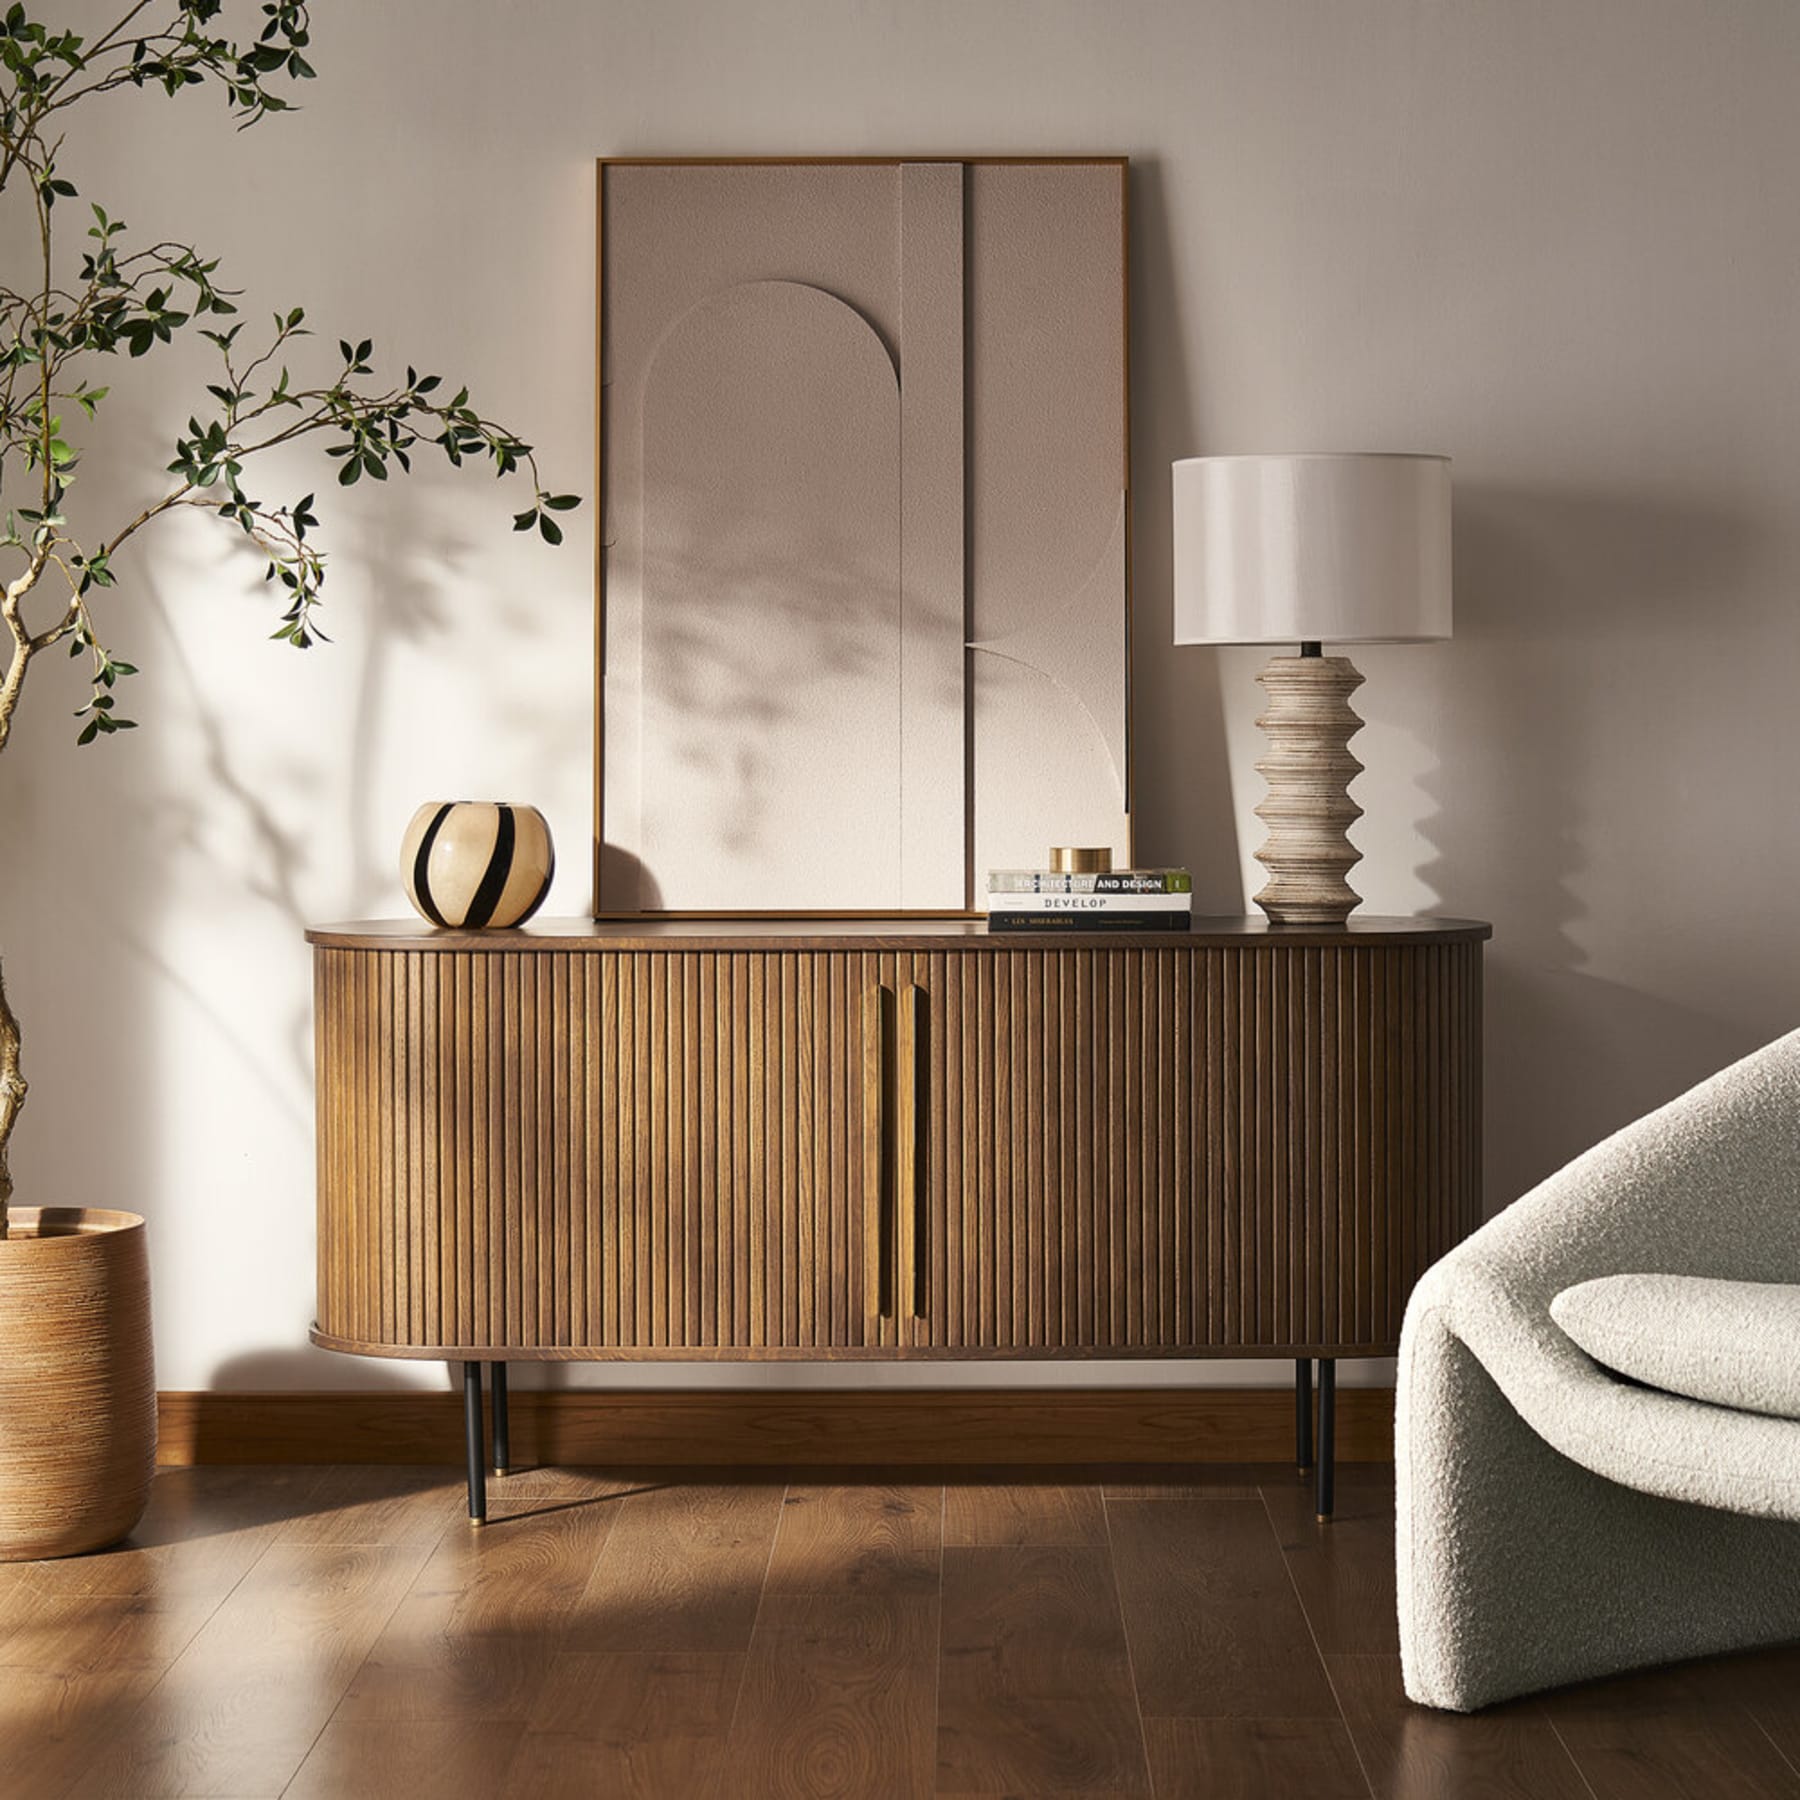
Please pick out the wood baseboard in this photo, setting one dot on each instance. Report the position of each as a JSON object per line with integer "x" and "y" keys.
{"x": 820, "y": 1427}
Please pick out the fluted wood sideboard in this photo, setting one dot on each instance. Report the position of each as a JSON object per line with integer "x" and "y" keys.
{"x": 591, "y": 1140}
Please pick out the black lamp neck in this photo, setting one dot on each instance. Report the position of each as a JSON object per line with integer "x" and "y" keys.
{"x": 1310, "y": 647}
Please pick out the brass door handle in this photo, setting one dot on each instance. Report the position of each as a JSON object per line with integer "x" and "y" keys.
{"x": 878, "y": 1150}
{"x": 914, "y": 1144}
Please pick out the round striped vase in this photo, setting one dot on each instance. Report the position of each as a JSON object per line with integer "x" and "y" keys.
{"x": 477, "y": 863}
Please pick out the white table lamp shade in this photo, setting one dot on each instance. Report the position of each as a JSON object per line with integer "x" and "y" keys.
{"x": 1291, "y": 549}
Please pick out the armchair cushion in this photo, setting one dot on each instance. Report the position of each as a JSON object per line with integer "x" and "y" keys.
{"x": 1730, "y": 1343}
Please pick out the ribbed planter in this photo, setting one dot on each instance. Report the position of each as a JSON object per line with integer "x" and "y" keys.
{"x": 77, "y": 1380}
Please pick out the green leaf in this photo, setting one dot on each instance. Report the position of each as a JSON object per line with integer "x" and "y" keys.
{"x": 549, "y": 529}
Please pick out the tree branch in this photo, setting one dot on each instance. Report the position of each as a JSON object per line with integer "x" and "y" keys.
{"x": 13, "y": 1088}
{"x": 24, "y": 645}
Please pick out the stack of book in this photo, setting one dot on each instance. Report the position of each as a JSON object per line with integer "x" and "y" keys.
{"x": 1123, "y": 900}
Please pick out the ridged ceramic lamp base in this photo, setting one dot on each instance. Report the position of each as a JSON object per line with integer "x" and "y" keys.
{"x": 1309, "y": 723}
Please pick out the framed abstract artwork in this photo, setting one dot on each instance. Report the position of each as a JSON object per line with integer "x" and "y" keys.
{"x": 863, "y": 607}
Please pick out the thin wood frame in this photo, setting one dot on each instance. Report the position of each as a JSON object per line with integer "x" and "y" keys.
{"x": 602, "y": 165}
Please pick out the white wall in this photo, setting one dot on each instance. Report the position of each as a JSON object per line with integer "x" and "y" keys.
{"x": 1557, "y": 241}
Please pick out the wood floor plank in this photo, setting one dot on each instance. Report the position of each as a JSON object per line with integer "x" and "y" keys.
{"x": 82, "y": 1634}
{"x": 1767, "y": 1682}
{"x": 1174, "y": 1481}
{"x": 21, "y": 1593}
{"x": 1253, "y": 1759}
{"x": 239, "y": 1709}
{"x": 632, "y": 1725}
{"x": 683, "y": 1570}
{"x": 538, "y": 1493}
{"x": 877, "y": 1538}
{"x": 426, "y": 1671}
{"x": 839, "y": 1697}
{"x": 1342, "y": 1568}
{"x": 1034, "y": 1687}
{"x": 20, "y": 1602}
{"x": 54, "y": 1727}
{"x": 478, "y": 1632}
{"x": 1666, "y": 1734}
{"x": 201, "y": 1533}
{"x": 1216, "y": 1630}
{"x": 379, "y": 1503}
{"x": 445, "y": 1759}
{"x": 1413, "y": 1753}
{"x": 1023, "y": 1513}
{"x": 72, "y": 1677}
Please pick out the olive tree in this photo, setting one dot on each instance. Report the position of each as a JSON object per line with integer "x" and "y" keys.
{"x": 87, "y": 294}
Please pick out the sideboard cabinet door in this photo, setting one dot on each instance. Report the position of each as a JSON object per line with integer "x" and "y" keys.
{"x": 725, "y": 1174}
{"x": 1060, "y": 1197}
{"x": 1192, "y": 1147}
{"x": 633, "y": 1150}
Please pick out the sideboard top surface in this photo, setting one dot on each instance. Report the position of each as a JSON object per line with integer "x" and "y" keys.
{"x": 918, "y": 934}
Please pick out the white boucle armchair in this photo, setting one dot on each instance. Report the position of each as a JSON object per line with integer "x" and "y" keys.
{"x": 1556, "y": 1521}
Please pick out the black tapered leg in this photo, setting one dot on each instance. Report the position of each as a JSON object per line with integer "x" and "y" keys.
{"x": 472, "y": 1435}
{"x": 1303, "y": 1431}
{"x": 1327, "y": 1434}
{"x": 502, "y": 1438}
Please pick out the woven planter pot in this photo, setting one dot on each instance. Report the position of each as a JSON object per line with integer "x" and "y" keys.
{"x": 77, "y": 1380}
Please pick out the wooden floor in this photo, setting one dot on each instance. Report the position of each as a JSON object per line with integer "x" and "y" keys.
{"x": 328, "y": 1634}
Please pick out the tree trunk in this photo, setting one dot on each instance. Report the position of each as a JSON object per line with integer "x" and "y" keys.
{"x": 12, "y": 1093}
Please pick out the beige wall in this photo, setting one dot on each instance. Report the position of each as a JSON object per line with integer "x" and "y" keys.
{"x": 1558, "y": 241}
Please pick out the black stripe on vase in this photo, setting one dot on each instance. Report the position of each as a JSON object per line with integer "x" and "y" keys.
{"x": 422, "y": 867}
{"x": 493, "y": 882}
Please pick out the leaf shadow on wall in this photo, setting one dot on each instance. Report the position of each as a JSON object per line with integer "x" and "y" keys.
{"x": 264, "y": 825}
{"x": 409, "y": 558}
{"x": 720, "y": 687}
{"x": 728, "y": 683}
{"x": 277, "y": 864}
{"x": 1181, "y": 774}
{"x": 1572, "y": 608}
